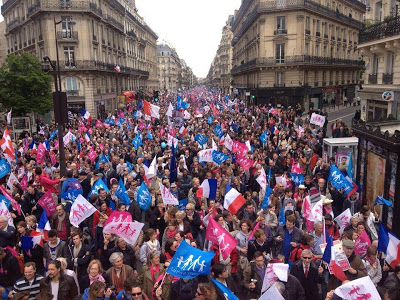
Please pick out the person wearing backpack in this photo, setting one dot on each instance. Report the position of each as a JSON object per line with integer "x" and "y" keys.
{"x": 305, "y": 243}
{"x": 70, "y": 183}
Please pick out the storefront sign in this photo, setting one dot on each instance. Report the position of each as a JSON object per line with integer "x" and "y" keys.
{"x": 388, "y": 96}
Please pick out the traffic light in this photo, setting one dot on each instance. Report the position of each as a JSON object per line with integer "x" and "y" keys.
{"x": 253, "y": 96}
{"x": 155, "y": 93}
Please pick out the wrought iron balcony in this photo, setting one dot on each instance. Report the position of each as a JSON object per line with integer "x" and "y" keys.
{"x": 372, "y": 79}
{"x": 387, "y": 78}
{"x": 67, "y": 35}
{"x": 325, "y": 36}
{"x": 33, "y": 8}
{"x": 72, "y": 92}
{"x": 12, "y": 24}
{"x": 94, "y": 8}
{"x": 381, "y": 30}
{"x": 280, "y": 31}
{"x": 307, "y": 31}
{"x": 318, "y": 33}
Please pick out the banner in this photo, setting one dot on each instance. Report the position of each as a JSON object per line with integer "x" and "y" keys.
{"x": 206, "y": 155}
{"x": 220, "y": 236}
{"x": 128, "y": 231}
{"x": 244, "y": 162}
{"x": 119, "y": 216}
{"x": 340, "y": 255}
{"x": 317, "y": 119}
{"x": 189, "y": 262}
{"x": 361, "y": 244}
{"x": 167, "y": 196}
{"x": 81, "y": 209}
{"x": 47, "y": 203}
{"x": 343, "y": 220}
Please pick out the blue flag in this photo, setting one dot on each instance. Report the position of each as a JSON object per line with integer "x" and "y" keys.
{"x": 78, "y": 145}
{"x": 26, "y": 242}
{"x": 180, "y": 104}
{"x": 109, "y": 121}
{"x": 328, "y": 250}
{"x": 32, "y": 144}
{"x": 149, "y": 135}
{"x": 383, "y": 238}
{"x": 103, "y": 158}
{"x": 182, "y": 204}
{"x": 99, "y": 184}
{"x": 225, "y": 291}
{"x": 47, "y": 144}
{"x": 339, "y": 181}
{"x": 281, "y": 216}
{"x": 129, "y": 165}
{"x": 201, "y": 139}
{"x": 5, "y": 200}
{"x": 381, "y": 201}
{"x": 139, "y": 104}
{"x": 121, "y": 193}
{"x": 264, "y": 137}
{"x": 71, "y": 194}
{"x": 144, "y": 197}
{"x": 350, "y": 168}
{"x": 264, "y": 204}
{"x": 209, "y": 120}
{"x": 218, "y": 130}
{"x": 173, "y": 175}
{"x": 297, "y": 179}
{"x": 189, "y": 262}
{"x": 4, "y": 168}
{"x": 219, "y": 157}
{"x": 53, "y": 134}
{"x": 120, "y": 122}
{"x": 137, "y": 141}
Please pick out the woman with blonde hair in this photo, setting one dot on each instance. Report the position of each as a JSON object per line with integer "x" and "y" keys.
{"x": 94, "y": 272}
{"x": 205, "y": 291}
{"x": 66, "y": 271}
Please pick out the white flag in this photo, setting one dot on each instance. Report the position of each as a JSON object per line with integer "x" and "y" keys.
{"x": 205, "y": 155}
{"x": 9, "y": 116}
{"x": 11, "y": 181}
{"x": 167, "y": 196}
{"x": 128, "y": 231}
{"x": 228, "y": 142}
{"x": 343, "y": 220}
{"x": 262, "y": 179}
{"x": 5, "y": 212}
{"x": 362, "y": 288}
{"x": 152, "y": 170}
{"x": 272, "y": 294}
{"x": 81, "y": 209}
{"x": 169, "y": 111}
{"x": 171, "y": 140}
{"x": 273, "y": 273}
{"x": 316, "y": 211}
{"x": 214, "y": 145}
{"x": 186, "y": 115}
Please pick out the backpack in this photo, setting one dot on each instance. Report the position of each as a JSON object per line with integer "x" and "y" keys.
{"x": 74, "y": 185}
{"x": 295, "y": 255}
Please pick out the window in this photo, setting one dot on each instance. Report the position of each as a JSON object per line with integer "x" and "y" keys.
{"x": 280, "y": 79}
{"x": 316, "y": 50}
{"x": 389, "y": 62}
{"x": 307, "y": 23}
{"x": 69, "y": 56}
{"x": 317, "y": 26}
{"x": 307, "y": 49}
{"x": 375, "y": 62}
{"x": 280, "y": 23}
{"x": 280, "y": 53}
{"x": 325, "y": 51}
{"x": 66, "y": 27}
{"x": 72, "y": 85}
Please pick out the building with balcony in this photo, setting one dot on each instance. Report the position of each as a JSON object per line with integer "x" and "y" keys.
{"x": 219, "y": 74}
{"x": 170, "y": 68}
{"x": 93, "y": 37}
{"x": 379, "y": 45}
{"x": 3, "y": 47}
{"x": 188, "y": 78}
{"x": 297, "y": 51}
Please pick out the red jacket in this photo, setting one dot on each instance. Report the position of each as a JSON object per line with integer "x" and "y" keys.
{"x": 96, "y": 217}
{"x": 48, "y": 184}
{"x": 333, "y": 231}
{"x": 234, "y": 257}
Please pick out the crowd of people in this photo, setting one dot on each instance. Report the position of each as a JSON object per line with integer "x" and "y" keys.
{"x": 83, "y": 262}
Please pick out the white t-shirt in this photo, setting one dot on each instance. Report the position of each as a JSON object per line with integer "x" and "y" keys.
{"x": 54, "y": 289}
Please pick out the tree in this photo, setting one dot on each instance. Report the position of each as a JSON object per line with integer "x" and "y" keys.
{"x": 24, "y": 87}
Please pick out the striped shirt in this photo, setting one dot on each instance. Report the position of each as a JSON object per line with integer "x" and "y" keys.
{"x": 33, "y": 287}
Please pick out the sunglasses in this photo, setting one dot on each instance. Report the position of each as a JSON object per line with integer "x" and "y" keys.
{"x": 136, "y": 294}
{"x": 306, "y": 257}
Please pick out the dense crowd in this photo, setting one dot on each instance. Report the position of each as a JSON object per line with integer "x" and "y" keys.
{"x": 83, "y": 262}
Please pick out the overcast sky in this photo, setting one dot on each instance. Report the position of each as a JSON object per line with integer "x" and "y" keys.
{"x": 194, "y": 28}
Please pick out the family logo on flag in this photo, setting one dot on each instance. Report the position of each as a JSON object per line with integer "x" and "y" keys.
{"x": 218, "y": 131}
{"x": 218, "y": 157}
{"x": 167, "y": 196}
{"x": 361, "y": 244}
{"x": 121, "y": 193}
{"x": 5, "y": 212}
{"x": 182, "y": 204}
{"x": 71, "y": 195}
{"x": 99, "y": 184}
{"x": 206, "y": 155}
{"x": 339, "y": 181}
{"x": 262, "y": 179}
{"x": 273, "y": 273}
{"x": 220, "y": 236}
{"x": 358, "y": 289}
{"x": 189, "y": 262}
{"x": 128, "y": 231}
{"x": 4, "y": 168}
{"x": 81, "y": 209}
{"x": 144, "y": 197}
{"x": 343, "y": 220}
{"x": 297, "y": 179}
{"x": 47, "y": 203}
{"x": 119, "y": 216}
{"x": 201, "y": 139}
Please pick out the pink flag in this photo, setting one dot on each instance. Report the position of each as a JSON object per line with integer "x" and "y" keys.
{"x": 220, "y": 236}
{"x": 14, "y": 203}
{"x": 98, "y": 124}
{"x": 81, "y": 129}
{"x": 274, "y": 111}
{"x": 162, "y": 131}
{"x": 92, "y": 155}
{"x": 106, "y": 125}
{"x": 53, "y": 158}
{"x": 101, "y": 147}
{"x": 24, "y": 183}
{"x": 128, "y": 231}
{"x": 246, "y": 163}
{"x": 56, "y": 144}
{"x": 307, "y": 214}
{"x": 40, "y": 153}
{"x": 296, "y": 169}
{"x": 47, "y": 203}
{"x": 240, "y": 148}
{"x": 119, "y": 216}
{"x": 361, "y": 244}
{"x": 251, "y": 236}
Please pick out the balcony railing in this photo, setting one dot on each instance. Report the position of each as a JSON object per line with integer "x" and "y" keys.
{"x": 318, "y": 33}
{"x": 73, "y": 93}
{"x": 387, "y": 78}
{"x": 33, "y": 8}
{"x": 307, "y": 31}
{"x": 325, "y": 36}
{"x": 12, "y": 24}
{"x": 280, "y": 31}
{"x": 94, "y": 8}
{"x": 372, "y": 79}
{"x": 381, "y": 30}
{"x": 67, "y": 35}
{"x": 114, "y": 22}
{"x": 7, "y": 4}
{"x": 298, "y": 60}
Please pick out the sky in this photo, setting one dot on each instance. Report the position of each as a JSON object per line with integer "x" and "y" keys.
{"x": 193, "y": 27}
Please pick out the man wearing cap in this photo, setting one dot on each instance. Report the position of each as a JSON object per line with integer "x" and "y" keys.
{"x": 357, "y": 267}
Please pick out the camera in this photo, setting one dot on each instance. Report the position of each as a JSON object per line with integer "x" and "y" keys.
{"x": 111, "y": 287}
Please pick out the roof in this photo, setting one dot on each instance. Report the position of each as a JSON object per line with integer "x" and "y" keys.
{"x": 347, "y": 141}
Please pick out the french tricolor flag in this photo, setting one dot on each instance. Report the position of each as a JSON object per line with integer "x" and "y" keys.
{"x": 207, "y": 189}
{"x": 85, "y": 114}
{"x": 233, "y": 201}
{"x": 182, "y": 130}
{"x": 87, "y": 137}
{"x": 44, "y": 223}
{"x": 117, "y": 68}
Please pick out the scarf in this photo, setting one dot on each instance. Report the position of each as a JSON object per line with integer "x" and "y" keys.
{"x": 171, "y": 234}
{"x": 60, "y": 221}
{"x": 153, "y": 245}
{"x": 118, "y": 282}
{"x": 97, "y": 277}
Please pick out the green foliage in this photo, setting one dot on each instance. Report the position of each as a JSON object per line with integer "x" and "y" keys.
{"x": 24, "y": 86}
